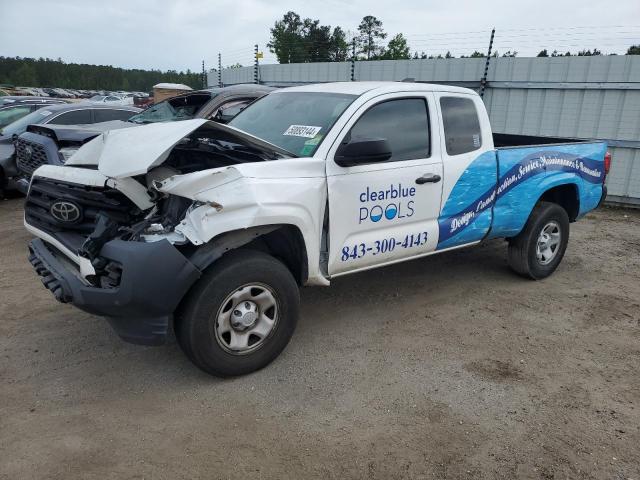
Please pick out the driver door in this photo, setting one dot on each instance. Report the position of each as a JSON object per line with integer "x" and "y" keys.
{"x": 385, "y": 212}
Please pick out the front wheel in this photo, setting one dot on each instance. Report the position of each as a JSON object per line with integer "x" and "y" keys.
{"x": 538, "y": 250}
{"x": 240, "y": 315}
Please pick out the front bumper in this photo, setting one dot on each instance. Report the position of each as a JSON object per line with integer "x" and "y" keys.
{"x": 155, "y": 277}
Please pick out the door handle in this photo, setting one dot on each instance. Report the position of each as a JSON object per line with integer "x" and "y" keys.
{"x": 428, "y": 178}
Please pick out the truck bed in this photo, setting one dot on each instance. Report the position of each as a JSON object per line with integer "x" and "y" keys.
{"x": 510, "y": 140}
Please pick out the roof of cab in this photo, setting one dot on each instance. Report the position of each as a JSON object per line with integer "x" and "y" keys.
{"x": 360, "y": 88}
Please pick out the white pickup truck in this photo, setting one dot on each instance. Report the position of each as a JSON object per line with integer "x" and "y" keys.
{"x": 209, "y": 229}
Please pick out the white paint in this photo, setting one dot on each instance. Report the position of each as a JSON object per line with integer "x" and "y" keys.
{"x": 133, "y": 151}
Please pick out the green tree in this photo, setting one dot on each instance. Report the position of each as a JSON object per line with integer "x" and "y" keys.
{"x": 297, "y": 40}
{"x": 339, "y": 49}
{"x": 477, "y": 54}
{"x": 543, "y": 53}
{"x": 634, "y": 50}
{"x": 25, "y": 75}
{"x": 45, "y": 72}
{"x": 397, "y": 49}
{"x": 589, "y": 53}
{"x": 317, "y": 41}
{"x": 286, "y": 39}
{"x": 371, "y": 32}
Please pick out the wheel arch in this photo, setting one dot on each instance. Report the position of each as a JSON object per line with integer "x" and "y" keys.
{"x": 283, "y": 241}
{"x": 567, "y": 195}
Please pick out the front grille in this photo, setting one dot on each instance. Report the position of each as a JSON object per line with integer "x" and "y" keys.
{"x": 45, "y": 192}
{"x": 29, "y": 156}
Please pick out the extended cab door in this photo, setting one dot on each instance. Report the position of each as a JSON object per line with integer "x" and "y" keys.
{"x": 383, "y": 212}
{"x": 470, "y": 170}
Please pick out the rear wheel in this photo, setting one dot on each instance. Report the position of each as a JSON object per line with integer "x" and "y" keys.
{"x": 538, "y": 250}
{"x": 240, "y": 315}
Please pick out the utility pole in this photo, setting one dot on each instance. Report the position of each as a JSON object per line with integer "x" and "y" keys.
{"x": 219, "y": 70}
{"x": 204, "y": 76}
{"x": 256, "y": 66}
{"x": 353, "y": 60}
{"x": 483, "y": 82}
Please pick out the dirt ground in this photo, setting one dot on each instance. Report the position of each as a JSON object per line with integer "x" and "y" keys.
{"x": 444, "y": 367}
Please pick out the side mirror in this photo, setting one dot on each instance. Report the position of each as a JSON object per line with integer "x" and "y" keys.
{"x": 360, "y": 151}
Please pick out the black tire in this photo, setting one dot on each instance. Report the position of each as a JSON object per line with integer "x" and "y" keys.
{"x": 523, "y": 257}
{"x": 197, "y": 317}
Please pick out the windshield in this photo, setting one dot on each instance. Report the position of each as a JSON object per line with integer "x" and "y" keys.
{"x": 173, "y": 109}
{"x": 9, "y": 115}
{"x": 294, "y": 121}
{"x": 20, "y": 126}
{"x": 97, "y": 98}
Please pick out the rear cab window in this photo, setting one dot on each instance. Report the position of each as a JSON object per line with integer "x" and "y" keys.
{"x": 461, "y": 124}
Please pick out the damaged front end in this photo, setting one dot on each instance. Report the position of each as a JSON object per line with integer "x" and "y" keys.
{"x": 114, "y": 238}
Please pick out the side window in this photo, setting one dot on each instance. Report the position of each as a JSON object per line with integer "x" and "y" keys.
{"x": 461, "y": 125}
{"x": 107, "y": 115}
{"x": 230, "y": 109}
{"x": 403, "y": 122}
{"x": 75, "y": 117}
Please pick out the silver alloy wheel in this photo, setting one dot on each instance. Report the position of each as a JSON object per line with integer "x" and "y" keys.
{"x": 548, "y": 243}
{"x": 246, "y": 318}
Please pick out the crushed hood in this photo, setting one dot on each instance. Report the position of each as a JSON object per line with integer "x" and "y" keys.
{"x": 134, "y": 151}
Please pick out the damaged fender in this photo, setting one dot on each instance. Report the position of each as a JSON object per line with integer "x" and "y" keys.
{"x": 228, "y": 199}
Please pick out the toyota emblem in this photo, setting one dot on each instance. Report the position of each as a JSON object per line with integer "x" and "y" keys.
{"x": 28, "y": 152}
{"x": 64, "y": 211}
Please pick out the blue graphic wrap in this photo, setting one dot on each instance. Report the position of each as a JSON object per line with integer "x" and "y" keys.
{"x": 462, "y": 221}
{"x": 525, "y": 173}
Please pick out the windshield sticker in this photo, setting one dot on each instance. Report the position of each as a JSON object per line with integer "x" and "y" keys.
{"x": 44, "y": 113}
{"x": 306, "y": 131}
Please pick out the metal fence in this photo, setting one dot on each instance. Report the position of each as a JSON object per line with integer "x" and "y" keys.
{"x": 595, "y": 97}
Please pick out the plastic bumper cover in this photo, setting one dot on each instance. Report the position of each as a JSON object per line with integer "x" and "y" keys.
{"x": 155, "y": 277}
{"x": 603, "y": 197}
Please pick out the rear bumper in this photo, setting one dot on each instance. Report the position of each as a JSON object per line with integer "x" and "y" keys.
{"x": 603, "y": 197}
{"x": 155, "y": 277}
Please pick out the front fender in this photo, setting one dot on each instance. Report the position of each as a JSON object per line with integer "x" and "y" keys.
{"x": 241, "y": 203}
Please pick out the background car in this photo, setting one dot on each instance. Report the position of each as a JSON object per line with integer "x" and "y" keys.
{"x": 83, "y": 113}
{"x": 219, "y": 104}
{"x": 13, "y": 108}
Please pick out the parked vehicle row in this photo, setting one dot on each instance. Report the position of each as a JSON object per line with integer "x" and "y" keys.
{"x": 69, "y": 93}
{"x": 209, "y": 229}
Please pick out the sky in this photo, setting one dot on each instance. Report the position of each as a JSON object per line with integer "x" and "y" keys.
{"x": 180, "y": 34}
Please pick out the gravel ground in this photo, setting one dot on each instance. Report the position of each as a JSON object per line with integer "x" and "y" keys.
{"x": 444, "y": 367}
